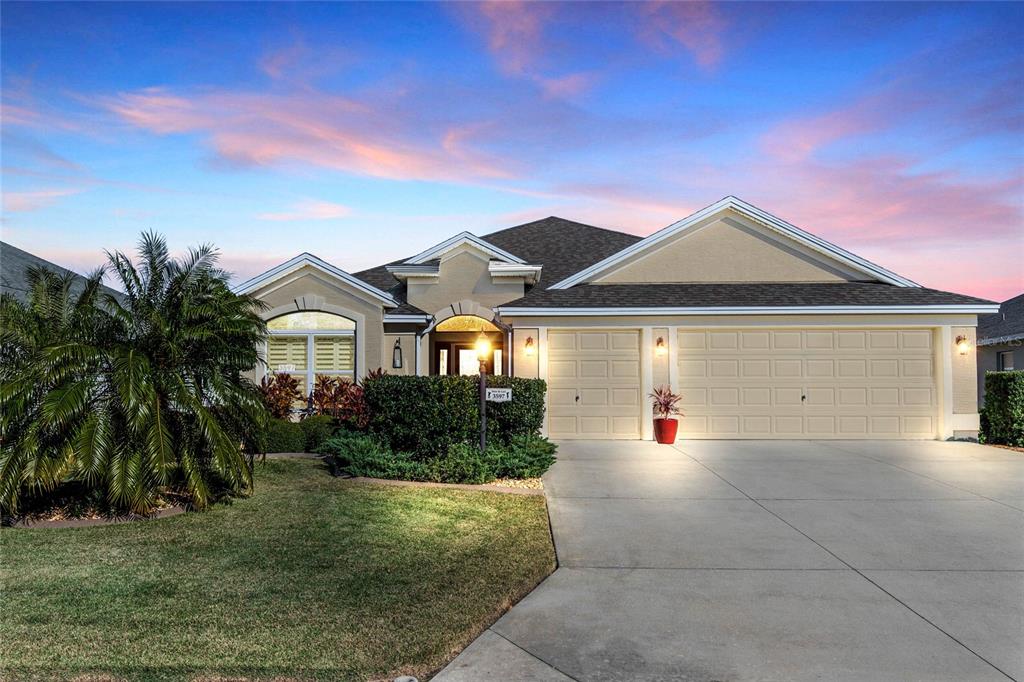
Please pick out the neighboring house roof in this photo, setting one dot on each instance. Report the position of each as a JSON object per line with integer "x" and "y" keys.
{"x": 1004, "y": 326}
{"x": 701, "y": 297}
{"x": 14, "y": 264}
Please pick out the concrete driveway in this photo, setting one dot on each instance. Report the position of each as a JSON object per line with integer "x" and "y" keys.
{"x": 769, "y": 560}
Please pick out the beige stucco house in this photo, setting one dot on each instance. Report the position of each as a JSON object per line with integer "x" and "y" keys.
{"x": 766, "y": 330}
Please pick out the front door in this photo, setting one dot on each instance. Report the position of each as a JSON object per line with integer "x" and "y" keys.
{"x": 460, "y": 358}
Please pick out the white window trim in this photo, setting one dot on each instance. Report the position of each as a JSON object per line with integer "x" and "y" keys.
{"x": 310, "y": 372}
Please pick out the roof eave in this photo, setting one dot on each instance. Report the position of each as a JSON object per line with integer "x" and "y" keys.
{"x": 613, "y": 311}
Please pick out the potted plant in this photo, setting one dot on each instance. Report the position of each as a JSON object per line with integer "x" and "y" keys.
{"x": 665, "y": 407}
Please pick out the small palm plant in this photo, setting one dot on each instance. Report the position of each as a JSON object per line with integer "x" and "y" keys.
{"x": 131, "y": 394}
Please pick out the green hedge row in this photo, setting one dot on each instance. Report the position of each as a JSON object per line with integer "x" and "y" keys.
{"x": 426, "y": 415}
{"x": 361, "y": 455}
{"x": 307, "y": 435}
{"x": 1002, "y": 417}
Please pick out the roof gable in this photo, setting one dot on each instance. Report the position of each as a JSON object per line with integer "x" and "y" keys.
{"x": 826, "y": 250}
{"x": 460, "y": 240}
{"x": 308, "y": 259}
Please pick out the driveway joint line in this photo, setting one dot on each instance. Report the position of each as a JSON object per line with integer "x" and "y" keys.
{"x": 534, "y": 656}
{"x": 846, "y": 563}
{"x": 911, "y": 471}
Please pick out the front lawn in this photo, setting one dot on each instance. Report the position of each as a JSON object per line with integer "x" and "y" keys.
{"x": 311, "y": 578}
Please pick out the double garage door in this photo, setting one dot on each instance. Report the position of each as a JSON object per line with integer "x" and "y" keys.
{"x": 750, "y": 383}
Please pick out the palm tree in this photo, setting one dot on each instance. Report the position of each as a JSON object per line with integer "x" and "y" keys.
{"x": 149, "y": 395}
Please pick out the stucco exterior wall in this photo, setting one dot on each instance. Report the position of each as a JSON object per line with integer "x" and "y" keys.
{"x": 525, "y": 365}
{"x": 965, "y": 372}
{"x": 729, "y": 249}
{"x": 310, "y": 289}
{"x": 407, "y": 343}
{"x": 463, "y": 275}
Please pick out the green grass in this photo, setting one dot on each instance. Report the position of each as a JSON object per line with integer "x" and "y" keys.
{"x": 310, "y": 578}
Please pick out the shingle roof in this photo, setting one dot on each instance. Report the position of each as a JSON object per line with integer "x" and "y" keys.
{"x": 687, "y": 295}
{"x": 1008, "y": 322}
{"x": 14, "y": 264}
{"x": 565, "y": 247}
{"x": 562, "y": 246}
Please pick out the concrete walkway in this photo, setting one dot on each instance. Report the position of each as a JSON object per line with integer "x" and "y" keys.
{"x": 771, "y": 560}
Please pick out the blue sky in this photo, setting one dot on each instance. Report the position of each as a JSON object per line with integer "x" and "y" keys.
{"x": 366, "y": 132}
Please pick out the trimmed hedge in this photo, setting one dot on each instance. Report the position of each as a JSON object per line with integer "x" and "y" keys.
{"x": 316, "y": 429}
{"x": 1002, "y": 417}
{"x": 426, "y": 415}
{"x": 361, "y": 455}
{"x": 283, "y": 435}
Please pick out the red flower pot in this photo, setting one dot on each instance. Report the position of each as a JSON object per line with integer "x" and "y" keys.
{"x": 665, "y": 430}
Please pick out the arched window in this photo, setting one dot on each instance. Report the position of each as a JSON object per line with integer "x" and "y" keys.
{"x": 311, "y": 342}
{"x": 465, "y": 323}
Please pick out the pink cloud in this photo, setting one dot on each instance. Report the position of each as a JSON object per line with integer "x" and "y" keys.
{"x": 696, "y": 26}
{"x": 311, "y": 127}
{"x": 310, "y": 209}
{"x": 16, "y": 202}
{"x": 514, "y": 32}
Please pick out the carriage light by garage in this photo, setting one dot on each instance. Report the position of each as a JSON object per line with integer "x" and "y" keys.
{"x": 963, "y": 344}
{"x": 528, "y": 348}
{"x": 659, "y": 347}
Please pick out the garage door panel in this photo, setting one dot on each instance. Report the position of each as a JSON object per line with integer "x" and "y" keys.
{"x": 813, "y": 383}
{"x": 594, "y": 384}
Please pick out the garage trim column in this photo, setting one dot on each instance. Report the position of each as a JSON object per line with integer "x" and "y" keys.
{"x": 646, "y": 383}
{"x": 946, "y": 377}
{"x": 542, "y": 372}
{"x": 673, "y": 358}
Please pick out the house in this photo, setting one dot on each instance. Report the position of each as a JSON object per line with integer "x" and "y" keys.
{"x": 766, "y": 330}
{"x": 1001, "y": 341}
{"x": 15, "y": 263}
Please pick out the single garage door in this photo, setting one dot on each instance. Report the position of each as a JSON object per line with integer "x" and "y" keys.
{"x": 808, "y": 383}
{"x": 594, "y": 384}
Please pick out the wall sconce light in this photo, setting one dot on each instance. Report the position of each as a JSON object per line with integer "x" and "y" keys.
{"x": 396, "y": 355}
{"x": 963, "y": 344}
{"x": 659, "y": 347}
{"x": 528, "y": 348}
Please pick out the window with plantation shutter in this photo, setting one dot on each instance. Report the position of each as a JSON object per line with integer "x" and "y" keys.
{"x": 286, "y": 353}
{"x": 334, "y": 353}
{"x": 307, "y": 343}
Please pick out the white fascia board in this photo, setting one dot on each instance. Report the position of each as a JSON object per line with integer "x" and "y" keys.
{"x": 407, "y": 318}
{"x": 499, "y": 269}
{"x": 447, "y": 245}
{"x": 996, "y": 340}
{"x": 754, "y": 213}
{"x": 304, "y": 259}
{"x": 750, "y": 310}
{"x": 417, "y": 271}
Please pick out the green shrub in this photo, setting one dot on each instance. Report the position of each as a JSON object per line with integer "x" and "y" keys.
{"x": 463, "y": 463}
{"x": 284, "y": 436}
{"x": 316, "y": 430}
{"x": 524, "y": 457}
{"x": 361, "y": 455}
{"x": 427, "y": 415}
{"x": 1002, "y": 419}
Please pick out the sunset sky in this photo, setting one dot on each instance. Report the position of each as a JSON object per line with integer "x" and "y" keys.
{"x": 366, "y": 132}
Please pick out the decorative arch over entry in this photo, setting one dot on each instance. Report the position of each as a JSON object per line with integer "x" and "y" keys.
{"x": 466, "y": 307}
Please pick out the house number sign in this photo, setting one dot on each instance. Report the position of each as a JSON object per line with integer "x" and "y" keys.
{"x": 499, "y": 395}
